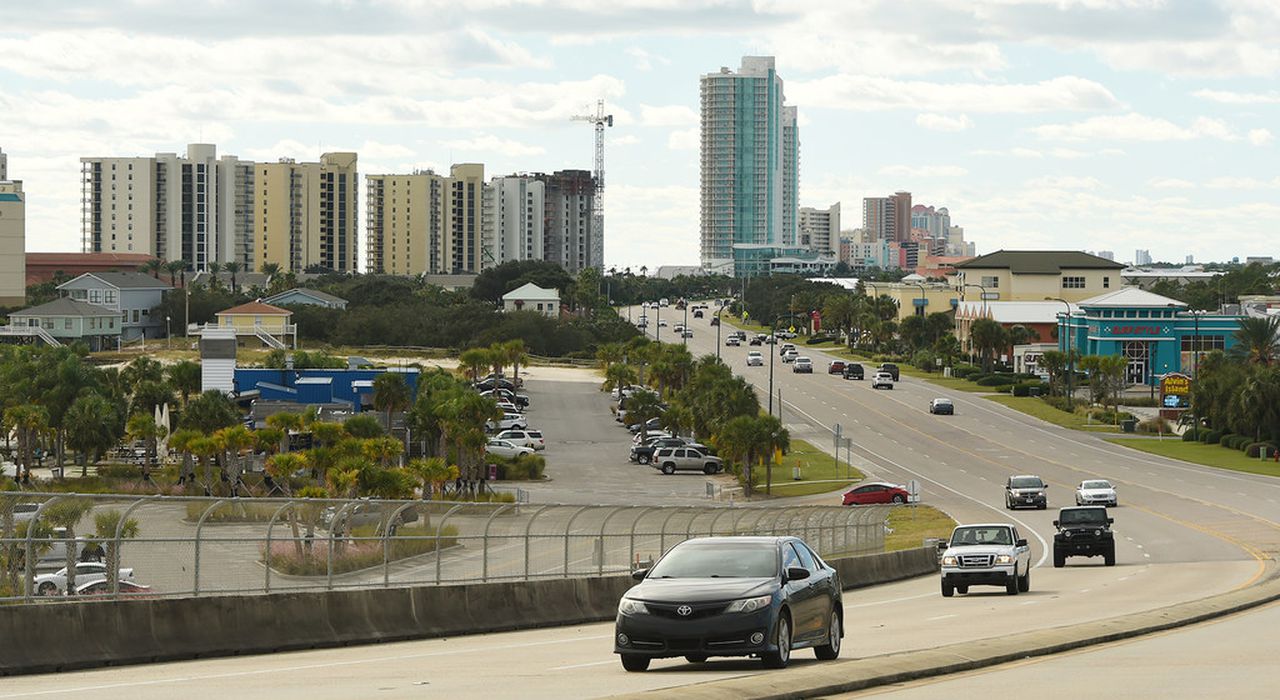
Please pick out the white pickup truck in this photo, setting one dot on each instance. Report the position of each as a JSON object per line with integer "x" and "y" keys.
{"x": 986, "y": 555}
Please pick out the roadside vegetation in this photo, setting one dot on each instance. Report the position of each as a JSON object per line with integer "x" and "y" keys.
{"x": 819, "y": 472}
{"x": 910, "y": 525}
{"x": 1201, "y": 453}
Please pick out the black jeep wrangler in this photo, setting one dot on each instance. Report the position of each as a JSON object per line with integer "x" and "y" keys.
{"x": 1083, "y": 532}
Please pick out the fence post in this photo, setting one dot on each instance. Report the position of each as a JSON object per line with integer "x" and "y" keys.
{"x": 567, "y": 527}
{"x": 635, "y": 523}
{"x": 113, "y": 567}
{"x": 440, "y": 529}
{"x": 386, "y": 542}
{"x": 266, "y": 558}
{"x": 484, "y": 567}
{"x": 333, "y": 528}
{"x": 603, "y": 524}
{"x": 29, "y": 573}
{"x": 527, "y": 529}
{"x": 662, "y": 533}
{"x": 195, "y": 566}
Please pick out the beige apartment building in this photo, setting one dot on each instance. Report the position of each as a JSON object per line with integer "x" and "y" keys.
{"x": 305, "y": 214}
{"x": 1036, "y": 275}
{"x": 427, "y": 223}
{"x": 464, "y": 245}
{"x": 13, "y": 237}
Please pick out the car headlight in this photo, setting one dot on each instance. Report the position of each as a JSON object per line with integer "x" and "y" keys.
{"x": 949, "y": 561}
{"x": 1097, "y": 533}
{"x": 1066, "y": 533}
{"x": 627, "y": 606}
{"x": 1004, "y": 559}
{"x": 747, "y": 605}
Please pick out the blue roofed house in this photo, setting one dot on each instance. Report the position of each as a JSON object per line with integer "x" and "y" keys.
{"x": 301, "y": 296}
{"x": 132, "y": 295}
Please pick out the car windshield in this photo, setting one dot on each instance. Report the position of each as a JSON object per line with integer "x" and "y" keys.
{"x": 1096, "y": 485}
{"x": 719, "y": 561}
{"x": 1083, "y": 516}
{"x": 973, "y": 536}
{"x": 1026, "y": 482}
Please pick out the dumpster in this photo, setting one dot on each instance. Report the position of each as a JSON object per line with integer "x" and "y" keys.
{"x": 1129, "y": 425}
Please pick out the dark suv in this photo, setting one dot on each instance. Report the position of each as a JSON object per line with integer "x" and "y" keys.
{"x": 853, "y": 370}
{"x": 891, "y": 369}
{"x": 1025, "y": 491}
{"x": 1083, "y": 531}
{"x": 643, "y": 454}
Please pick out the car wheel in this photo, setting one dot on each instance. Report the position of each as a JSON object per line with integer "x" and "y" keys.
{"x": 47, "y": 588}
{"x": 1042, "y": 506}
{"x": 1059, "y": 559}
{"x": 962, "y": 590}
{"x": 709, "y": 469}
{"x": 1024, "y": 583}
{"x": 1011, "y": 586}
{"x": 695, "y": 658}
{"x": 1109, "y": 558}
{"x": 668, "y": 469}
{"x": 831, "y": 650}
{"x": 948, "y": 590}
{"x": 643, "y": 459}
{"x": 899, "y": 499}
{"x": 635, "y": 663}
{"x": 782, "y": 656}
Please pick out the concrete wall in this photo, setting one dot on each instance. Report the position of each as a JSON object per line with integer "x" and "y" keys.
{"x": 145, "y": 631}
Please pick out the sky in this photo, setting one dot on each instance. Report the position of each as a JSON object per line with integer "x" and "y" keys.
{"x": 1049, "y": 124}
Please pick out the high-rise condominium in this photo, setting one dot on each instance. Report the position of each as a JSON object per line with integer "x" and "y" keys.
{"x": 820, "y": 228}
{"x": 514, "y": 220}
{"x": 1141, "y": 257}
{"x": 426, "y": 223}
{"x": 569, "y": 234}
{"x": 888, "y": 218}
{"x": 750, "y": 160}
{"x": 934, "y": 222}
{"x": 193, "y": 207}
{"x": 4, "y": 166}
{"x": 13, "y": 244}
{"x": 305, "y": 214}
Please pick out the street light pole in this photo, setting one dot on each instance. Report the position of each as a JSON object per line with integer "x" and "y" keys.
{"x": 657, "y": 324}
{"x": 684, "y": 334}
{"x": 923, "y": 300}
{"x": 718, "y": 322}
{"x": 772, "y": 351}
{"x": 1071, "y": 361}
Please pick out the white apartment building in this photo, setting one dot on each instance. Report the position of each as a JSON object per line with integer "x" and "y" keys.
{"x": 514, "y": 223}
{"x": 820, "y": 228}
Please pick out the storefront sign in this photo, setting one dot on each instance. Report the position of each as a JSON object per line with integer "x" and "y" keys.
{"x": 1175, "y": 391}
{"x": 1138, "y": 330}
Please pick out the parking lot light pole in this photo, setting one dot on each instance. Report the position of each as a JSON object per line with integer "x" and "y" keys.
{"x": 1071, "y": 362}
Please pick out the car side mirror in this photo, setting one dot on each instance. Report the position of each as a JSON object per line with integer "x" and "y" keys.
{"x": 1055, "y": 523}
{"x": 943, "y": 545}
{"x": 796, "y": 573}
{"x": 1021, "y": 543}
{"x": 1111, "y": 521}
{"x": 639, "y": 574}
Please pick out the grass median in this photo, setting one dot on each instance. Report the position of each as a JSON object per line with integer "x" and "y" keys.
{"x": 819, "y": 472}
{"x": 910, "y": 525}
{"x": 1200, "y": 453}
{"x": 1036, "y": 408}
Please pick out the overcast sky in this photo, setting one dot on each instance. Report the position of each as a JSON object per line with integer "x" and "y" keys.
{"x": 1088, "y": 124}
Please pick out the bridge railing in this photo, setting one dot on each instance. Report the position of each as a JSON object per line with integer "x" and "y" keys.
{"x": 178, "y": 546}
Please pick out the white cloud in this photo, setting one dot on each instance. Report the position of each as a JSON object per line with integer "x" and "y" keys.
{"x": 1242, "y": 183}
{"x": 944, "y": 122}
{"x": 1260, "y": 137}
{"x": 645, "y": 60}
{"x": 667, "y": 115}
{"x": 867, "y": 93}
{"x": 488, "y": 143}
{"x": 1238, "y": 98}
{"x": 623, "y": 140}
{"x": 924, "y": 170}
{"x": 1134, "y": 127}
{"x": 1170, "y": 183}
{"x": 684, "y": 140}
{"x": 1065, "y": 182}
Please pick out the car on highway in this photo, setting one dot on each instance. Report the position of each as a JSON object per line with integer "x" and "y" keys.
{"x": 742, "y": 335}
{"x": 506, "y": 448}
{"x": 508, "y": 421}
{"x": 732, "y": 341}
{"x": 679, "y": 328}
{"x": 790, "y": 355}
{"x": 1025, "y": 491}
{"x": 755, "y": 359}
{"x": 835, "y": 367}
{"x": 891, "y": 368}
{"x": 992, "y": 554}
{"x": 756, "y": 340}
{"x": 853, "y": 370}
{"x": 731, "y": 596}
{"x": 103, "y": 587}
{"x": 687, "y": 333}
{"x": 532, "y": 439}
{"x": 1096, "y": 492}
{"x": 941, "y": 407}
{"x": 786, "y": 335}
{"x": 882, "y": 380}
{"x": 802, "y": 365}
{"x": 1083, "y": 531}
{"x": 786, "y": 348}
{"x": 697, "y": 313}
{"x": 662, "y": 323}
{"x": 670, "y": 460}
{"x": 86, "y": 572}
{"x": 875, "y": 492}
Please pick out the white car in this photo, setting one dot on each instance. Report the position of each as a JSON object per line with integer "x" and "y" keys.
{"x": 786, "y": 348}
{"x": 755, "y": 359}
{"x": 986, "y": 555}
{"x": 802, "y": 365}
{"x": 732, "y": 341}
{"x": 523, "y": 438}
{"x": 662, "y": 323}
{"x": 508, "y": 421}
{"x": 86, "y": 572}
{"x": 882, "y": 380}
{"x": 688, "y": 333}
{"x": 790, "y": 355}
{"x": 506, "y": 448}
{"x": 1094, "y": 492}
{"x": 508, "y": 407}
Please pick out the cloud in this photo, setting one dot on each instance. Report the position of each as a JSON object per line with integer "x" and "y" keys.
{"x": 864, "y": 93}
{"x": 667, "y": 115}
{"x": 1064, "y": 182}
{"x": 624, "y": 140}
{"x": 1238, "y": 98}
{"x": 488, "y": 143}
{"x": 1260, "y": 137}
{"x": 925, "y": 170}
{"x": 645, "y": 60}
{"x": 684, "y": 140}
{"x": 1134, "y": 127}
{"x": 943, "y": 122}
{"x": 1242, "y": 183}
{"x": 1170, "y": 183}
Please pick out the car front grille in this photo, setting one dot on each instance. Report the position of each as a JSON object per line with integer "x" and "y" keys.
{"x": 669, "y": 611}
{"x": 975, "y": 561}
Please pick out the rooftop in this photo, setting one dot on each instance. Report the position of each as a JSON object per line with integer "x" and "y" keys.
{"x": 66, "y": 307}
{"x": 313, "y": 293}
{"x": 255, "y": 308}
{"x": 532, "y": 291}
{"x": 123, "y": 280}
{"x": 1130, "y": 297}
{"x": 1039, "y": 262}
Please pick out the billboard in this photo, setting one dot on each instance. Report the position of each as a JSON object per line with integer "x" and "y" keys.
{"x": 1175, "y": 391}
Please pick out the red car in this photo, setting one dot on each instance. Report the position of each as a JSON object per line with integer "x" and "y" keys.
{"x": 835, "y": 367}
{"x": 875, "y": 492}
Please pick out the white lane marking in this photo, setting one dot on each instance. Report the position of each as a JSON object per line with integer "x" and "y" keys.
{"x": 1029, "y": 602}
{"x": 1138, "y": 546}
{"x": 1084, "y": 590}
{"x": 940, "y": 617}
{"x": 892, "y": 600}
{"x": 1146, "y": 555}
{"x": 303, "y": 667}
{"x": 1123, "y": 578}
{"x": 573, "y": 666}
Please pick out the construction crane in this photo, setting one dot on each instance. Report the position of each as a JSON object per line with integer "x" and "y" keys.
{"x": 601, "y": 120}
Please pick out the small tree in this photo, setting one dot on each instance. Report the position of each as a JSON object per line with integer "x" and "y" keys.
{"x": 143, "y": 426}
{"x": 68, "y": 513}
{"x": 433, "y": 472}
{"x": 390, "y": 394}
{"x": 112, "y": 533}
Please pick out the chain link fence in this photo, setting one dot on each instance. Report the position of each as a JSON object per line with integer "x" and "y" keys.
{"x": 176, "y": 546}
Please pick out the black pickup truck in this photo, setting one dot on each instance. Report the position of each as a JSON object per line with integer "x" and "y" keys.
{"x": 1084, "y": 531}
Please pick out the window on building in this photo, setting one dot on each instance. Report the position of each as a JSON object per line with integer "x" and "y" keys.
{"x": 136, "y": 316}
{"x": 991, "y": 282}
{"x": 109, "y": 296}
{"x": 1207, "y": 343}
{"x": 66, "y": 324}
{"x": 1106, "y": 283}
{"x": 95, "y": 296}
{"x": 1072, "y": 282}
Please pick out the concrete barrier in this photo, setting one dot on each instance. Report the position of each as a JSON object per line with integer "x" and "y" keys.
{"x": 64, "y": 636}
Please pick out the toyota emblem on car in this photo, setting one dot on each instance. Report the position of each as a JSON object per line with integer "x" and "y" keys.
{"x": 684, "y": 611}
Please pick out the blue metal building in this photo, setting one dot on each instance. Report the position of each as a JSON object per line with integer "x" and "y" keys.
{"x": 352, "y": 387}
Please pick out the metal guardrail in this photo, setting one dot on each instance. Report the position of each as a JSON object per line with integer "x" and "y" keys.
{"x": 220, "y": 546}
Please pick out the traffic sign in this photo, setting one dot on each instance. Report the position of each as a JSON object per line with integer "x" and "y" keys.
{"x": 913, "y": 491}
{"x": 791, "y": 329}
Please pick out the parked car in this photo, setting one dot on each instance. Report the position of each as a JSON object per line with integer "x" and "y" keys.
{"x": 755, "y": 359}
{"x": 673, "y": 459}
{"x": 942, "y": 407}
{"x": 103, "y": 587}
{"x": 875, "y": 492}
{"x": 882, "y": 380}
{"x": 986, "y": 555}
{"x": 649, "y": 426}
{"x": 802, "y": 365}
{"x": 508, "y": 407}
{"x": 853, "y": 370}
{"x": 835, "y": 367}
{"x": 508, "y": 421}
{"x": 790, "y": 355}
{"x": 86, "y": 572}
{"x": 1092, "y": 492}
{"x": 1025, "y": 491}
{"x": 891, "y": 368}
{"x": 643, "y": 454}
{"x": 506, "y": 448}
{"x": 524, "y": 438}
{"x": 364, "y": 514}
{"x": 731, "y": 596}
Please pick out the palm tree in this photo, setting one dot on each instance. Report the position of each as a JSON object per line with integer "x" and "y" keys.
{"x": 233, "y": 440}
{"x": 270, "y": 270}
{"x": 474, "y": 360}
{"x": 617, "y": 376}
{"x": 434, "y": 472}
{"x": 382, "y": 450}
{"x": 282, "y": 467}
{"x": 90, "y": 427}
{"x": 174, "y": 268}
{"x": 185, "y": 377}
{"x": 516, "y": 355}
{"x": 232, "y": 267}
{"x": 390, "y": 394}
{"x": 67, "y": 514}
{"x": 181, "y": 441}
{"x": 988, "y": 337}
{"x": 1257, "y": 340}
{"x": 154, "y": 265}
{"x": 610, "y": 353}
{"x": 111, "y": 530}
{"x": 143, "y": 426}
{"x": 773, "y": 438}
{"x": 641, "y": 407}
{"x": 28, "y": 422}
{"x": 285, "y": 422}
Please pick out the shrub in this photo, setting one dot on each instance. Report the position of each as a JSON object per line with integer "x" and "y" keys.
{"x": 1063, "y": 403}
{"x": 1025, "y": 388}
{"x": 1005, "y": 388}
{"x": 1255, "y": 448}
{"x": 1213, "y": 436}
{"x": 353, "y": 555}
{"x": 964, "y": 371}
{"x": 1241, "y": 442}
{"x": 995, "y": 380}
{"x": 1190, "y": 436}
{"x": 1224, "y": 439}
{"x": 1154, "y": 426}
{"x": 525, "y": 467}
{"x": 119, "y": 471}
{"x": 1140, "y": 401}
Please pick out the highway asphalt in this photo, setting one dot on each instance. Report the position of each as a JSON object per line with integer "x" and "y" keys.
{"x": 1184, "y": 532}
